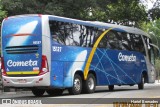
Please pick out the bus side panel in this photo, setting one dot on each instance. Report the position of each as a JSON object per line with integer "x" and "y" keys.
{"x": 103, "y": 68}
{"x": 57, "y": 74}
{"x": 66, "y": 61}
{"x": 70, "y": 69}
{"x": 114, "y": 67}
{"x": 46, "y": 46}
{"x": 68, "y": 78}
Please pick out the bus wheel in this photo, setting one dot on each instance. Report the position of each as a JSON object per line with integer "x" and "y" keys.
{"x": 77, "y": 85}
{"x": 89, "y": 84}
{"x": 38, "y": 92}
{"x": 141, "y": 84}
{"x": 54, "y": 92}
{"x": 111, "y": 87}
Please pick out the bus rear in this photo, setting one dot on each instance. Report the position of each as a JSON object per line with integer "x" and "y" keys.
{"x": 23, "y": 64}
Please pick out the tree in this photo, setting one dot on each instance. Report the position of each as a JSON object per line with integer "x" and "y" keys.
{"x": 154, "y": 12}
{"x": 153, "y": 28}
{"x": 119, "y": 11}
{"x": 127, "y": 12}
{"x": 3, "y": 13}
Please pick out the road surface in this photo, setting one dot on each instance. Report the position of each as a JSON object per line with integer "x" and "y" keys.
{"x": 151, "y": 91}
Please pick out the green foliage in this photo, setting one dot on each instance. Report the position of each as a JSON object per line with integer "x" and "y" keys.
{"x": 119, "y": 11}
{"x": 157, "y": 67}
{"x": 153, "y": 28}
{"x": 16, "y": 7}
{"x": 127, "y": 12}
{"x": 3, "y": 13}
{"x": 154, "y": 12}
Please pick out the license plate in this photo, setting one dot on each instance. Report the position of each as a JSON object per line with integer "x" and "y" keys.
{"x": 22, "y": 80}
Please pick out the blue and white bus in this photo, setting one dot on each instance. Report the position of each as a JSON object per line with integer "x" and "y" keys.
{"x": 51, "y": 53}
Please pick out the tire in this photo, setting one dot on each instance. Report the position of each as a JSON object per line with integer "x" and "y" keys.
{"x": 77, "y": 85}
{"x": 141, "y": 84}
{"x": 111, "y": 87}
{"x": 38, "y": 92}
{"x": 89, "y": 84}
{"x": 54, "y": 92}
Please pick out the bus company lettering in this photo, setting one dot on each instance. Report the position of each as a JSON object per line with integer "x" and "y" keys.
{"x": 130, "y": 58}
{"x": 11, "y": 63}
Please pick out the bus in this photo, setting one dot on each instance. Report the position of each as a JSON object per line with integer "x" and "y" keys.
{"x": 47, "y": 53}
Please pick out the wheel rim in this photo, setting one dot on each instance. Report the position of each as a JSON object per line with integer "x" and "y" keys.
{"x": 77, "y": 84}
{"x": 90, "y": 83}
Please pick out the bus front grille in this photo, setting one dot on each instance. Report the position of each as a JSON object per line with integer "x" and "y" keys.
{"x": 21, "y": 49}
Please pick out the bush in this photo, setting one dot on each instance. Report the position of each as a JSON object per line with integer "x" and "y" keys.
{"x": 157, "y": 67}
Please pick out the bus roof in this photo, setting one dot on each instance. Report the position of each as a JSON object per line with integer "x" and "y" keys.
{"x": 97, "y": 24}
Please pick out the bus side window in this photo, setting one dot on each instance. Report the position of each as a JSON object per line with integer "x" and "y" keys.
{"x": 56, "y": 32}
{"x": 125, "y": 41}
{"x": 87, "y": 36}
{"x": 141, "y": 45}
{"x": 138, "y": 44}
{"x": 72, "y": 34}
{"x": 79, "y": 35}
{"x": 113, "y": 40}
{"x": 103, "y": 42}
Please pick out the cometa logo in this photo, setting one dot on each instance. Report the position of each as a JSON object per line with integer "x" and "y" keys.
{"x": 130, "y": 58}
{"x": 11, "y": 63}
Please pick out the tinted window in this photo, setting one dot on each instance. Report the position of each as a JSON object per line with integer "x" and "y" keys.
{"x": 126, "y": 43}
{"x": 85, "y": 36}
{"x": 138, "y": 43}
{"x": 111, "y": 40}
{"x": 72, "y": 34}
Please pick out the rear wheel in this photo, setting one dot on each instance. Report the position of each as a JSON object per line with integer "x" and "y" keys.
{"x": 38, "y": 92}
{"x": 141, "y": 84}
{"x": 53, "y": 92}
{"x": 89, "y": 84}
{"x": 111, "y": 87}
{"x": 77, "y": 85}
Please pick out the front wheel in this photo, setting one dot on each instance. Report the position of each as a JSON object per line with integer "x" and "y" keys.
{"x": 38, "y": 92}
{"x": 89, "y": 84}
{"x": 77, "y": 85}
{"x": 141, "y": 84}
